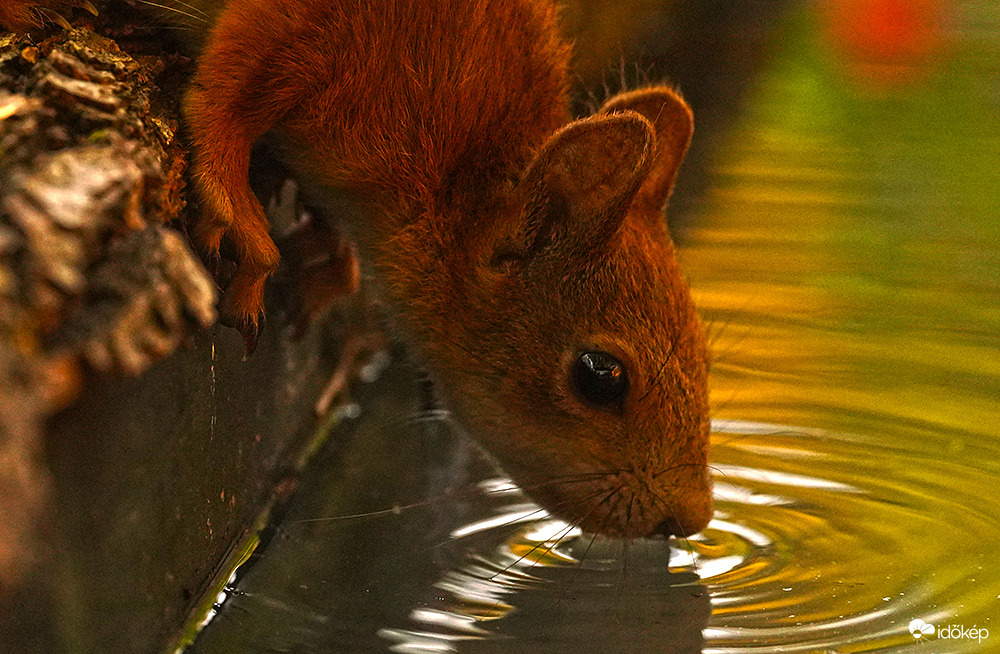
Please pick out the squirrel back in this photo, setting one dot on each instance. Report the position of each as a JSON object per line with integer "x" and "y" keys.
{"x": 524, "y": 254}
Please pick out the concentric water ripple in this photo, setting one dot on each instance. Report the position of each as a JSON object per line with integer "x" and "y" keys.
{"x": 842, "y": 547}
{"x": 818, "y": 545}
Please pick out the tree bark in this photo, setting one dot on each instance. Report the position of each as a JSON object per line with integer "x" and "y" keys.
{"x": 91, "y": 273}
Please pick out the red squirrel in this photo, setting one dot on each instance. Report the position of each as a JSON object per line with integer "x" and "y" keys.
{"x": 523, "y": 253}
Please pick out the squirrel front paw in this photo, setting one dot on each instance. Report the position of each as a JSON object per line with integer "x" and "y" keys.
{"x": 242, "y": 304}
{"x": 248, "y": 324}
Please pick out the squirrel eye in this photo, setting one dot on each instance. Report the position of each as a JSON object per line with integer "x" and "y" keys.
{"x": 600, "y": 379}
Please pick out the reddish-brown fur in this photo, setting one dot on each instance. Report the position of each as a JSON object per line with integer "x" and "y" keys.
{"x": 507, "y": 238}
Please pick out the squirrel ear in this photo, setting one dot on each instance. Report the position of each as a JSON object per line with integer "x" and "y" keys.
{"x": 672, "y": 120}
{"x": 578, "y": 190}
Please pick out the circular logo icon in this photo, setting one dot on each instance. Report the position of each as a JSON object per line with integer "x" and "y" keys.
{"x": 919, "y": 628}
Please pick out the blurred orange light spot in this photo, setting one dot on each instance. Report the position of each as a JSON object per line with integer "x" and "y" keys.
{"x": 886, "y": 42}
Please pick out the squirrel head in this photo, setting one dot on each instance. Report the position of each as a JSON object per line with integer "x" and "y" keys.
{"x": 575, "y": 354}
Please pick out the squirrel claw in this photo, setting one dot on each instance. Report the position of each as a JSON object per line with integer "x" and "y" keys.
{"x": 248, "y": 326}
{"x": 89, "y": 7}
{"x": 251, "y": 332}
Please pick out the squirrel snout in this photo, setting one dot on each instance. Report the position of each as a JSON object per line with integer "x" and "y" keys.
{"x": 694, "y": 517}
{"x": 674, "y": 527}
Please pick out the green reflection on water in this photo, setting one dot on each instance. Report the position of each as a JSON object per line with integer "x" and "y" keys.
{"x": 867, "y": 224}
{"x": 848, "y": 262}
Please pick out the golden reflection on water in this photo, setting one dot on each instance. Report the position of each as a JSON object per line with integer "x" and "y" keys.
{"x": 847, "y": 261}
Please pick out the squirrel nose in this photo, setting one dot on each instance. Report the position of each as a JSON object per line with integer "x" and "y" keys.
{"x": 670, "y": 527}
{"x": 686, "y": 524}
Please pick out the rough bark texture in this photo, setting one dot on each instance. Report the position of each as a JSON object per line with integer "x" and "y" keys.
{"x": 90, "y": 173}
